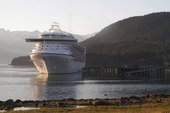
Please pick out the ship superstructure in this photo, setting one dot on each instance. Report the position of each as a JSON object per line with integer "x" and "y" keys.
{"x": 57, "y": 52}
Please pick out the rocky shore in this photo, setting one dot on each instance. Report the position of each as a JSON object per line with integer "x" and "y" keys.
{"x": 72, "y": 103}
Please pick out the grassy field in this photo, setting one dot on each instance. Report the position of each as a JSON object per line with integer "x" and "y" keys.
{"x": 146, "y": 108}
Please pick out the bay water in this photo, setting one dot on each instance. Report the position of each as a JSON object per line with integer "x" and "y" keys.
{"x": 25, "y": 83}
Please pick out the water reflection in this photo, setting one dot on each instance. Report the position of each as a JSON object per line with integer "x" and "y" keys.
{"x": 58, "y": 86}
{"x": 62, "y": 86}
{"x": 27, "y": 84}
{"x": 55, "y": 78}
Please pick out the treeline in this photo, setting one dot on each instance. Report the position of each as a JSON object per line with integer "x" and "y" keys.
{"x": 135, "y": 36}
{"x": 22, "y": 61}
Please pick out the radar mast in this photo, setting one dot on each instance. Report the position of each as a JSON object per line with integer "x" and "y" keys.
{"x": 55, "y": 27}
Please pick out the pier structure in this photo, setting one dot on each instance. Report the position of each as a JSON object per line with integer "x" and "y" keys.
{"x": 100, "y": 72}
{"x": 147, "y": 73}
{"x": 138, "y": 73}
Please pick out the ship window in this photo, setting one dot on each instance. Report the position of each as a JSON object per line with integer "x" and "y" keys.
{"x": 45, "y": 35}
{"x": 63, "y": 36}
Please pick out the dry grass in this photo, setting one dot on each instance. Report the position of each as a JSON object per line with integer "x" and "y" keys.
{"x": 148, "y": 105}
{"x": 147, "y": 108}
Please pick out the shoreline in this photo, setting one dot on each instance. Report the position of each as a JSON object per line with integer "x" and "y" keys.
{"x": 10, "y": 104}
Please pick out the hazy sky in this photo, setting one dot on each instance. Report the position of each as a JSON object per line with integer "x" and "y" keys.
{"x": 75, "y": 16}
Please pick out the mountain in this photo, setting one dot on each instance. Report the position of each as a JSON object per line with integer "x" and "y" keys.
{"x": 5, "y": 50}
{"x": 12, "y": 43}
{"x": 135, "y": 40}
{"x": 83, "y": 37}
{"x": 140, "y": 40}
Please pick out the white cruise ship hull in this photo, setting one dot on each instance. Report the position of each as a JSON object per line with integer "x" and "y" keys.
{"x": 56, "y": 63}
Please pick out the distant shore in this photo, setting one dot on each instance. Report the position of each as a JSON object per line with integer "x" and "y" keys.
{"x": 84, "y": 105}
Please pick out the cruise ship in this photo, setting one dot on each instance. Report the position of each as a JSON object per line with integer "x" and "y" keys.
{"x": 57, "y": 52}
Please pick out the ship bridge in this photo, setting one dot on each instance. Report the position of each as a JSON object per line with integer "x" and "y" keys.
{"x": 54, "y": 34}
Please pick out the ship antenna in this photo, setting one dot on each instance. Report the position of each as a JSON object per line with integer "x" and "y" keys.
{"x": 55, "y": 26}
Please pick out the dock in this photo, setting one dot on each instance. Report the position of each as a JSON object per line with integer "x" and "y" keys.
{"x": 138, "y": 73}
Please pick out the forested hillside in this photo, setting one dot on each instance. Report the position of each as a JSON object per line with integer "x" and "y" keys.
{"x": 142, "y": 39}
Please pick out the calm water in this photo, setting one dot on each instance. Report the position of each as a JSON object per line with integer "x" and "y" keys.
{"x": 27, "y": 84}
